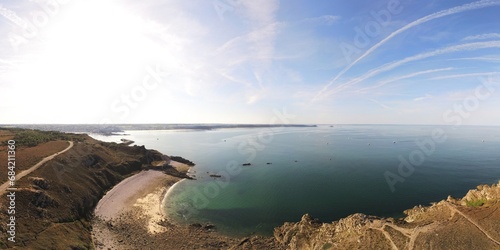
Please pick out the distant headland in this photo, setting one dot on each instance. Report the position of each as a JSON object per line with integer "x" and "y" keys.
{"x": 119, "y": 129}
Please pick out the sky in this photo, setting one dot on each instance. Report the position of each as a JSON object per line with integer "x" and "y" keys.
{"x": 255, "y": 61}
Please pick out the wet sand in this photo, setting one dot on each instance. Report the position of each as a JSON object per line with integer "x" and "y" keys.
{"x": 131, "y": 216}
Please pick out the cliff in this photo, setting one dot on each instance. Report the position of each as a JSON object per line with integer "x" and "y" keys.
{"x": 54, "y": 204}
{"x": 467, "y": 223}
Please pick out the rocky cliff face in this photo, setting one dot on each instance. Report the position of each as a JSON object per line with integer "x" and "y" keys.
{"x": 467, "y": 223}
{"x": 55, "y": 202}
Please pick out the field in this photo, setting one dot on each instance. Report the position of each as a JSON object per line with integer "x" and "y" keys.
{"x": 26, "y": 156}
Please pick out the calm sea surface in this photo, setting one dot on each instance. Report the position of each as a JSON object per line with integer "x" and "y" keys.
{"x": 328, "y": 172}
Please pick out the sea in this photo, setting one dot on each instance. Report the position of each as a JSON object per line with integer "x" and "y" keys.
{"x": 250, "y": 180}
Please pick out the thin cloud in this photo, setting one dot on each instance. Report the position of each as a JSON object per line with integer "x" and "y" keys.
{"x": 322, "y": 20}
{"x": 264, "y": 37}
{"x": 427, "y": 96}
{"x": 465, "y": 75}
{"x": 443, "y": 13}
{"x": 483, "y": 37}
{"x": 380, "y": 104}
{"x": 483, "y": 58}
{"x": 7, "y": 62}
{"x": 404, "y": 77}
{"x": 255, "y": 48}
{"x": 393, "y": 65}
{"x": 261, "y": 12}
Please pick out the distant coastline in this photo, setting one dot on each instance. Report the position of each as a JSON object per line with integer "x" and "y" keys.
{"x": 119, "y": 129}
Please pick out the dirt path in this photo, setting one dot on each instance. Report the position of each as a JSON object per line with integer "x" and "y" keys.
{"x": 387, "y": 236}
{"x": 4, "y": 186}
{"x": 453, "y": 208}
{"x": 411, "y": 233}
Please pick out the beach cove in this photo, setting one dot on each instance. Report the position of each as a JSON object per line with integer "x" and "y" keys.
{"x": 329, "y": 172}
{"x": 131, "y": 215}
{"x": 214, "y": 205}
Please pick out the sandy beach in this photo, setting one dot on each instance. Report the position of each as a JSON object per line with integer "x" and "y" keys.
{"x": 131, "y": 216}
{"x": 137, "y": 198}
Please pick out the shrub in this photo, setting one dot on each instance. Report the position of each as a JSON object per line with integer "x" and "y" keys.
{"x": 475, "y": 203}
{"x": 31, "y": 138}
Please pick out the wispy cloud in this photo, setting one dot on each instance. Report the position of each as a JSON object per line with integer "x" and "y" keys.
{"x": 479, "y": 58}
{"x": 255, "y": 48}
{"x": 261, "y": 12}
{"x": 414, "y": 74}
{"x": 465, "y": 75}
{"x": 437, "y": 37}
{"x": 6, "y": 62}
{"x": 322, "y": 20}
{"x": 257, "y": 44}
{"x": 393, "y": 65}
{"x": 483, "y": 37}
{"x": 440, "y": 14}
{"x": 380, "y": 104}
{"x": 427, "y": 96}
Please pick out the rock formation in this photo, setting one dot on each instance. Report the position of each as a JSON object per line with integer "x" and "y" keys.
{"x": 468, "y": 223}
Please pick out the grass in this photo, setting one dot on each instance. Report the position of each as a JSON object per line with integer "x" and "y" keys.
{"x": 475, "y": 203}
{"x": 31, "y": 138}
{"x": 327, "y": 246}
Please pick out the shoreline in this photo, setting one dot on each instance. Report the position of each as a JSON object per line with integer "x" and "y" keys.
{"x": 137, "y": 219}
{"x": 131, "y": 216}
{"x": 164, "y": 196}
{"x": 137, "y": 199}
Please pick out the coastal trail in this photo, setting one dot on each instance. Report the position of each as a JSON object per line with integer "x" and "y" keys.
{"x": 28, "y": 171}
{"x": 413, "y": 233}
{"x": 454, "y": 209}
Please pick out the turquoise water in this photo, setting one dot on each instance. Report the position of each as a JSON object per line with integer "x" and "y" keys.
{"x": 328, "y": 172}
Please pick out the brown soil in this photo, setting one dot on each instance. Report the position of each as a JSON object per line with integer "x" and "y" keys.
{"x": 54, "y": 204}
{"x": 27, "y": 157}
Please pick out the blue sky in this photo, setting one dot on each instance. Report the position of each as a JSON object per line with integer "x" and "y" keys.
{"x": 237, "y": 61}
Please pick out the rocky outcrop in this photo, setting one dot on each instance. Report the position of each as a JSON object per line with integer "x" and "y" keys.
{"x": 346, "y": 233}
{"x": 482, "y": 194}
{"x": 55, "y": 203}
{"x": 39, "y": 183}
{"x": 467, "y": 223}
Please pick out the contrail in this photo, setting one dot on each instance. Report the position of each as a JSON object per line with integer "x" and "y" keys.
{"x": 465, "y": 75}
{"x": 405, "y": 77}
{"x": 389, "y": 66}
{"x": 443, "y": 13}
{"x": 482, "y": 36}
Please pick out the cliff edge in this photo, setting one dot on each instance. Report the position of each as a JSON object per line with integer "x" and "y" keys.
{"x": 468, "y": 223}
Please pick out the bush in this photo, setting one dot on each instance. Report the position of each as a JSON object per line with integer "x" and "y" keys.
{"x": 31, "y": 138}
{"x": 475, "y": 203}
{"x": 182, "y": 160}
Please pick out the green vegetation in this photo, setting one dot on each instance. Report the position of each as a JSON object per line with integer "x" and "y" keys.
{"x": 182, "y": 160}
{"x": 31, "y": 138}
{"x": 327, "y": 246}
{"x": 476, "y": 203}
